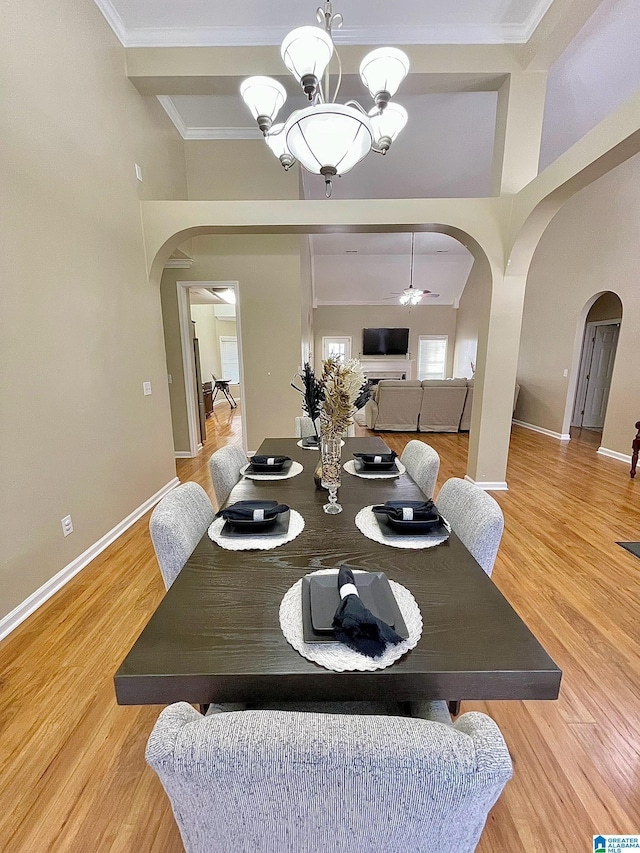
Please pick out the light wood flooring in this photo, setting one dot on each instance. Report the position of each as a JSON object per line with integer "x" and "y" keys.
{"x": 73, "y": 775}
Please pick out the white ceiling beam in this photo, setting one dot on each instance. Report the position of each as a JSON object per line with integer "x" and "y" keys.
{"x": 519, "y": 117}
{"x": 559, "y": 26}
{"x": 218, "y": 70}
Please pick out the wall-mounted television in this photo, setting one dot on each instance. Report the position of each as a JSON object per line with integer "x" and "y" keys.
{"x": 385, "y": 341}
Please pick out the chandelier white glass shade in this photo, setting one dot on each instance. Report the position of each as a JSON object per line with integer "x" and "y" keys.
{"x": 306, "y": 52}
{"x": 328, "y": 138}
{"x": 382, "y": 71}
{"x": 264, "y": 97}
{"x": 387, "y": 124}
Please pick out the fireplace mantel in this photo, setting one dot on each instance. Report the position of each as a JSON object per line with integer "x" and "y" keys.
{"x": 387, "y": 367}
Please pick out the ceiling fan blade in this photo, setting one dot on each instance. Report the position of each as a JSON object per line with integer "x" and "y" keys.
{"x": 432, "y": 295}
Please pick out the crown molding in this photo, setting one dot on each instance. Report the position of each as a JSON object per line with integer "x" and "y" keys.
{"x": 394, "y": 33}
{"x": 179, "y": 264}
{"x": 223, "y": 133}
{"x": 387, "y": 303}
{"x": 172, "y": 111}
{"x": 114, "y": 20}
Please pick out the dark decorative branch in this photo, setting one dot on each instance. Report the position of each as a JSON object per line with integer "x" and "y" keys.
{"x": 312, "y": 393}
{"x": 364, "y": 396}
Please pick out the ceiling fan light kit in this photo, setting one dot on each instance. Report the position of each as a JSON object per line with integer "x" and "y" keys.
{"x": 328, "y": 138}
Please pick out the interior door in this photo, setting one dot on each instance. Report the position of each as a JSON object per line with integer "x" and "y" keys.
{"x": 600, "y": 372}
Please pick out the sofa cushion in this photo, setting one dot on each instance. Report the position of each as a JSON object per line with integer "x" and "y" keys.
{"x": 396, "y": 406}
{"x": 442, "y": 404}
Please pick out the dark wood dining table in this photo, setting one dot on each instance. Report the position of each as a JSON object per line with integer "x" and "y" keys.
{"x": 216, "y": 637}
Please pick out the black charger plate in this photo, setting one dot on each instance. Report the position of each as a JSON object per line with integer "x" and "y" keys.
{"x": 372, "y": 471}
{"x": 379, "y": 598}
{"x": 393, "y": 527}
{"x": 269, "y": 469}
{"x": 272, "y": 527}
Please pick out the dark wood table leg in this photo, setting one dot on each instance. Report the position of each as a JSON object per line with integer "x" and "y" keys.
{"x": 454, "y": 707}
{"x": 204, "y": 708}
{"x": 636, "y": 449}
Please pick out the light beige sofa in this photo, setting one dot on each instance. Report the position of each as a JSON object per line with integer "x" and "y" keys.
{"x": 433, "y": 405}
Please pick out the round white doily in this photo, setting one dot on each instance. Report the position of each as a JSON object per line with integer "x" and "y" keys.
{"x": 338, "y": 657}
{"x": 350, "y": 468}
{"x": 317, "y": 447}
{"x": 366, "y": 523}
{"x": 296, "y": 468}
{"x": 256, "y": 543}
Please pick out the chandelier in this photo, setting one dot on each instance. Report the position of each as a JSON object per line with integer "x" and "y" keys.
{"x": 328, "y": 138}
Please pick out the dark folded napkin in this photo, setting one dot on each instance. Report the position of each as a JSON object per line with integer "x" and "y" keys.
{"x": 376, "y": 458}
{"x": 252, "y": 511}
{"x": 409, "y": 510}
{"x": 269, "y": 461}
{"x": 355, "y": 625}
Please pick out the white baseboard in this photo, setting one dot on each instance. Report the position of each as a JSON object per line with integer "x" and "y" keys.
{"x": 613, "y": 454}
{"x": 487, "y": 485}
{"x": 183, "y": 454}
{"x": 560, "y": 436}
{"x": 11, "y": 621}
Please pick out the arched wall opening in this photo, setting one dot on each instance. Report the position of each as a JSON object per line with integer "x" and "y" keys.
{"x": 594, "y": 353}
{"x": 224, "y": 263}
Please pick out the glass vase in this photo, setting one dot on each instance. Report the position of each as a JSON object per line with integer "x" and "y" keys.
{"x": 331, "y": 458}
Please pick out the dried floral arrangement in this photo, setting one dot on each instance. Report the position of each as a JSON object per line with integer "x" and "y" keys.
{"x": 345, "y": 391}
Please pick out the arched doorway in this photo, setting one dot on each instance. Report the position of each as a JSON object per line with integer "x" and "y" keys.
{"x": 600, "y": 318}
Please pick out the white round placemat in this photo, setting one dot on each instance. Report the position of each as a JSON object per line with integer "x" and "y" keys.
{"x": 296, "y": 468}
{"x": 350, "y": 468}
{"x": 338, "y": 657}
{"x": 367, "y": 523}
{"x": 316, "y": 447}
{"x": 256, "y": 543}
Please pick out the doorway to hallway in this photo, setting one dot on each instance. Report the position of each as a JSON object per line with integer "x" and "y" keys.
{"x": 596, "y": 363}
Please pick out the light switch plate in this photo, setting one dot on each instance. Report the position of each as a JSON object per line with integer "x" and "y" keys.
{"x": 146, "y": 388}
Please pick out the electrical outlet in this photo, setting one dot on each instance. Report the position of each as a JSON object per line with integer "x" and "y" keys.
{"x": 139, "y": 173}
{"x": 67, "y": 525}
{"x": 146, "y": 388}
{"x": 565, "y": 372}
{"x": 169, "y": 379}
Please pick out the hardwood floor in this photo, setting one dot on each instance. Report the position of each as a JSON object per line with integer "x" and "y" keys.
{"x": 74, "y": 777}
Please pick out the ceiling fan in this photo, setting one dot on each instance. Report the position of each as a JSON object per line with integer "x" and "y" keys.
{"x": 411, "y": 295}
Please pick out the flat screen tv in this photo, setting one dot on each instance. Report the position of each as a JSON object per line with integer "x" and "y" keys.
{"x": 385, "y": 341}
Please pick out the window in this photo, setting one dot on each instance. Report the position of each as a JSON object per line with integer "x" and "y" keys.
{"x": 432, "y": 356}
{"x": 337, "y": 348}
{"x": 229, "y": 360}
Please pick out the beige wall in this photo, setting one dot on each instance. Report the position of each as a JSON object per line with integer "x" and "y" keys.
{"x": 237, "y": 169}
{"x": 268, "y": 271}
{"x": 473, "y": 306}
{"x": 590, "y": 246}
{"x": 352, "y": 319}
{"x": 77, "y": 310}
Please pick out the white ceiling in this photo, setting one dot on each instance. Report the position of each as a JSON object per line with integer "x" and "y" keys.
{"x": 597, "y": 72}
{"x": 381, "y": 267}
{"x": 141, "y": 23}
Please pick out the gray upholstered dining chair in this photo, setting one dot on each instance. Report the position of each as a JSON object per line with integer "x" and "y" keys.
{"x": 304, "y": 427}
{"x": 291, "y": 782}
{"x": 475, "y": 517}
{"x": 224, "y": 467}
{"x": 422, "y": 464}
{"x": 176, "y": 525}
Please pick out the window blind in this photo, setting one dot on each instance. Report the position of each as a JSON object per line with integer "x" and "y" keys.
{"x": 432, "y": 356}
{"x": 229, "y": 360}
